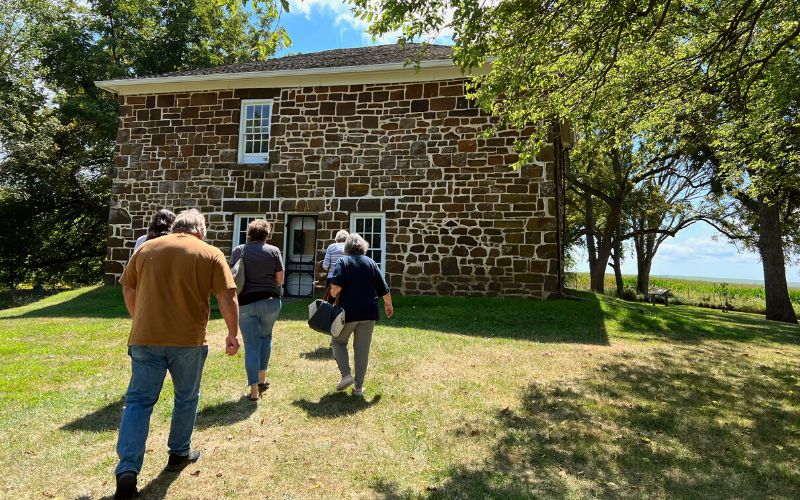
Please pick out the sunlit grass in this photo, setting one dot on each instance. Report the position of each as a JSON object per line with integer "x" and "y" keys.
{"x": 466, "y": 398}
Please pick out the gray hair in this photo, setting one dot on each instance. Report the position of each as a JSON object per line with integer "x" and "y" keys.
{"x": 355, "y": 245}
{"x": 341, "y": 236}
{"x": 190, "y": 221}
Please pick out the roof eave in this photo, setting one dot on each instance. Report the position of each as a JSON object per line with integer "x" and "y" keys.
{"x": 122, "y": 85}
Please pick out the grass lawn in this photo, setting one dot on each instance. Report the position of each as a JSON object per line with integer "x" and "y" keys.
{"x": 465, "y": 398}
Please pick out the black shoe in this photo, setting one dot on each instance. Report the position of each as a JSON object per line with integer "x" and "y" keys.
{"x": 126, "y": 486}
{"x": 177, "y": 463}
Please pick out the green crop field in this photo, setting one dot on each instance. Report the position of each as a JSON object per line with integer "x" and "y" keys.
{"x": 712, "y": 294}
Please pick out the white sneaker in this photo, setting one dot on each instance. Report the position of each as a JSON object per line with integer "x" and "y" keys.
{"x": 346, "y": 382}
{"x": 358, "y": 391}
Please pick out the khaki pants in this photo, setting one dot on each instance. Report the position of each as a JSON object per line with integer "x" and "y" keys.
{"x": 362, "y": 338}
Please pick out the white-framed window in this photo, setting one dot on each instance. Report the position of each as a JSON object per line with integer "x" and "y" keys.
{"x": 372, "y": 227}
{"x": 254, "y": 123}
{"x": 240, "y": 222}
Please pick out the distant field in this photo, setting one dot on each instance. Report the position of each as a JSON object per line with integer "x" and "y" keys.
{"x": 697, "y": 291}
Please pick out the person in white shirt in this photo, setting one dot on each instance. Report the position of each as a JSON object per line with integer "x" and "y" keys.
{"x": 334, "y": 252}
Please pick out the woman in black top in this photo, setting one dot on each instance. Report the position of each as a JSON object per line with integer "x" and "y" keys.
{"x": 259, "y": 302}
{"x": 358, "y": 283}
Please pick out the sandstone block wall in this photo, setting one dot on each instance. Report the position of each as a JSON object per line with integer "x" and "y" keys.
{"x": 459, "y": 219}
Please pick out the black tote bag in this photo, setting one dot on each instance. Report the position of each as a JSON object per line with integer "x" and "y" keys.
{"x": 325, "y": 317}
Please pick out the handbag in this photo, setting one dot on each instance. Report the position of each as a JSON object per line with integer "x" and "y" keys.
{"x": 238, "y": 273}
{"x": 325, "y": 317}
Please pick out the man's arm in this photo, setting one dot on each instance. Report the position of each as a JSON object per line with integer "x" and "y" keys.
{"x": 129, "y": 294}
{"x": 335, "y": 290}
{"x": 229, "y": 307}
{"x": 279, "y": 278}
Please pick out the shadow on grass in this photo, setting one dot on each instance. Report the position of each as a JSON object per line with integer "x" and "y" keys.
{"x": 226, "y": 413}
{"x": 334, "y": 405}
{"x": 691, "y": 324}
{"x": 574, "y": 321}
{"x": 684, "y": 422}
{"x": 320, "y": 353}
{"x": 157, "y": 488}
{"x": 99, "y": 302}
{"x": 101, "y": 420}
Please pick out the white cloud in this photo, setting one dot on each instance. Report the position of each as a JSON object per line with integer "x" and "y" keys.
{"x": 345, "y": 19}
{"x": 707, "y": 249}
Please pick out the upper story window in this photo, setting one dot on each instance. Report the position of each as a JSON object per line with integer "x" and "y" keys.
{"x": 254, "y": 125}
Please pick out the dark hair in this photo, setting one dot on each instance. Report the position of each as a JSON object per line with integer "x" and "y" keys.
{"x": 258, "y": 230}
{"x": 160, "y": 224}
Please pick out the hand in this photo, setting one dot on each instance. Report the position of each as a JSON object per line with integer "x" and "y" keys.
{"x": 231, "y": 345}
{"x": 388, "y": 309}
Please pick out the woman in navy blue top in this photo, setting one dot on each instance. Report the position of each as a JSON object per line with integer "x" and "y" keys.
{"x": 358, "y": 283}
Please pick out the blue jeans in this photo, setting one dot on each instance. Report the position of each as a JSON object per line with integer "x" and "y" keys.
{"x": 256, "y": 321}
{"x": 149, "y": 366}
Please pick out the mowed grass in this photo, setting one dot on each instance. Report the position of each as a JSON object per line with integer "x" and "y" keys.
{"x": 466, "y": 398}
{"x": 715, "y": 294}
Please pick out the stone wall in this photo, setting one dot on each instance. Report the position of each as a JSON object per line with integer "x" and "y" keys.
{"x": 459, "y": 219}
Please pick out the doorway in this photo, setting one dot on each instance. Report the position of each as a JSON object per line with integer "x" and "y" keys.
{"x": 301, "y": 245}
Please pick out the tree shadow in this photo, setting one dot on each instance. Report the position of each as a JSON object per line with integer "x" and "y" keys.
{"x": 101, "y": 420}
{"x": 561, "y": 320}
{"x": 335, "y": 405}
{"x": 320, "y": 353}
{"x": 694, "y": 324}
{"x": 99, "y": 302}
{"x": 226, "y": 413}
{"x": 687, "y": 422}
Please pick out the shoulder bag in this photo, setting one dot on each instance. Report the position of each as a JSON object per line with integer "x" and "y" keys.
{"x": 238, "y": 273}
{"x": 325, "y": 317}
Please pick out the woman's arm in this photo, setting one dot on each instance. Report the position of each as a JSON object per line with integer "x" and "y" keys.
{"x": 388, "y": 308}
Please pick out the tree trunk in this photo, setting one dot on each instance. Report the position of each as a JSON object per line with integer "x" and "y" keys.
{"x": 616, "y": 264}
{"x": 770, "y": 246}
{"x": 598, "y": 271}
{"x": 643, "y": 265}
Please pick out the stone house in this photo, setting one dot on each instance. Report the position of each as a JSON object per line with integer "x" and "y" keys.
{"x": 350, "y": 139}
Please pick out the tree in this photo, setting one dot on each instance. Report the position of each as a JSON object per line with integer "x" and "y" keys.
{"x": 647, "y": 63}
{"x": 57, "y": 129}
{"x": 669, "y": 202}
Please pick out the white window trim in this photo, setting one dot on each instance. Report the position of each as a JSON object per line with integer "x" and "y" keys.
{"x": 373, "y": 215}
{"x": 252, "y": 157}
{"x": 237, "y": 218}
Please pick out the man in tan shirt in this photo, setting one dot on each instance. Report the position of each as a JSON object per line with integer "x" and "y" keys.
{"x": 167, "y": 285}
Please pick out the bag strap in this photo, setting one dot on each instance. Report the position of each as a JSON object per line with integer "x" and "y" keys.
{"x": 327, "y": 296}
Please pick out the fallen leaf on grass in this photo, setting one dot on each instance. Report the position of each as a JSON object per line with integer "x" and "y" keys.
{"x": 195, "y": 473}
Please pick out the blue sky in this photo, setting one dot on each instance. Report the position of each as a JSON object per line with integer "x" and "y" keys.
{"x": 316, "y": 25}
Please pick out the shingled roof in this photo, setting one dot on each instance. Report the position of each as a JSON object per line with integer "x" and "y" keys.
{"x": 337, "y": 58}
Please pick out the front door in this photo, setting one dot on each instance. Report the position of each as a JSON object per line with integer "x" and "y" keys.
{"x": 301, "y": 244}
